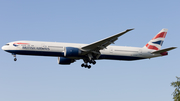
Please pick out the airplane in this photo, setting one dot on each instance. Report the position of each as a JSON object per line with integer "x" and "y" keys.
{"x": 68, "y": 53}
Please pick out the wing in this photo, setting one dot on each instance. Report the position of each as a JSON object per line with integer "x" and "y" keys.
{"x": 99, "y": 45}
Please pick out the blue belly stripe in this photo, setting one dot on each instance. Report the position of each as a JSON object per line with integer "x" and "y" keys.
{"x": 37, "y": 53}
{"x": 61, "y": 54}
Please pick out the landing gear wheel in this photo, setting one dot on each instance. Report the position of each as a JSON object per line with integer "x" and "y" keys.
{"x": 94, "y": 62}
{"x": 82, "y": 65}
{"x": 15, "y": 59}
{"x": 86, "y": 66}
{"x": 90, "y": 61}
{"x": 89, "y": 66}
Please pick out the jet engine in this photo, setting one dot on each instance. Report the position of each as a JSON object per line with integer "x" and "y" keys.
{"x": 65, "y": 61}
{"x": 71, "y": 52}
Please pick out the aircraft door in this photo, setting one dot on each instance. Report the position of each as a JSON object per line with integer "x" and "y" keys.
{"x": 111, "y": 50}
{"x": 140, "y": 52}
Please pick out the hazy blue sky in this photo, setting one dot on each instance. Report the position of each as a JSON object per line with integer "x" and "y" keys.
{"x": 34, "y": 78}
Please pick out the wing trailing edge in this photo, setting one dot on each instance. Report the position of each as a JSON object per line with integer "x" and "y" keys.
{"x": 101, "y": 44}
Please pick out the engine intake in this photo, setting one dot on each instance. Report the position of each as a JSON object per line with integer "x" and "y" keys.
{"x": 65, "y": 61}
{"x": 71, "y": 52}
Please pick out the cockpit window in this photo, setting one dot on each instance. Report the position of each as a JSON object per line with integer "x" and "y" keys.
{"x": 7, "y": 44}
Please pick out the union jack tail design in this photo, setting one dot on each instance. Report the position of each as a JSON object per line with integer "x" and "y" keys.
{"x": 157, "y": 41}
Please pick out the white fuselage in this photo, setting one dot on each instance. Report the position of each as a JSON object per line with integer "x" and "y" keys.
{"x": 57, "y": 49}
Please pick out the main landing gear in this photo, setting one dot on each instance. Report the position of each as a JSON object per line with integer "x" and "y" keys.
{"x": 85, "y": 64}
{"x": 90, "y": 60}
{"x": 15, "y": 59}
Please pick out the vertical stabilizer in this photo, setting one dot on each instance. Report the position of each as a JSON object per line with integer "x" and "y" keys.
{"x": 157, "y": 41}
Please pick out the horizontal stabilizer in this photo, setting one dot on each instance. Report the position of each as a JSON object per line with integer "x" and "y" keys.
{"x": 163, "y": 50}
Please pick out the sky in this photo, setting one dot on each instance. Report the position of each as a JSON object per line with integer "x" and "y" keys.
{"x": 38, "y": 78}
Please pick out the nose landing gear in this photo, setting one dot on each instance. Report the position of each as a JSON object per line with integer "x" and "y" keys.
{"x": 15, "y": 59}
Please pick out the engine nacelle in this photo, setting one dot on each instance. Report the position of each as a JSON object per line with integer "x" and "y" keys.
{"x": 71, "y": 52}
{"x": 65, "y": 61}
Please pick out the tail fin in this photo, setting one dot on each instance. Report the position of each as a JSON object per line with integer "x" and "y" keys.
{"x": 157, "y": 41}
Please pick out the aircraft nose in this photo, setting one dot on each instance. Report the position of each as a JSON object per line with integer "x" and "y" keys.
{"x": 3, "y": 48}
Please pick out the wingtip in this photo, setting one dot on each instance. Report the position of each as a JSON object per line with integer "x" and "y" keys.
{"x": 130, "y": 29}
{"x": 174, "y": 47}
